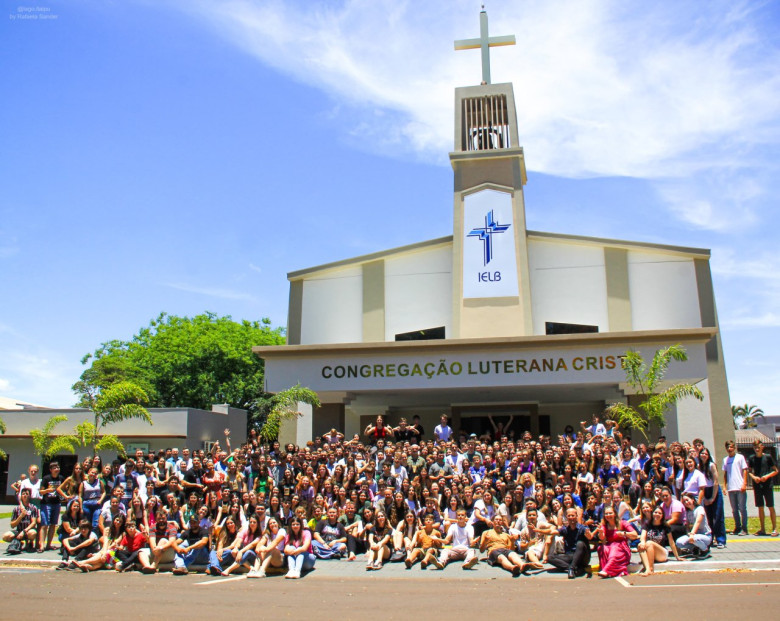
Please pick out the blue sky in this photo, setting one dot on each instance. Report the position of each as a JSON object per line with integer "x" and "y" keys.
{"x": 184, "y": 155}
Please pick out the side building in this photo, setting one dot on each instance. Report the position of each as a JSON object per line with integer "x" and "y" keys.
{"x": 172, "y": 427}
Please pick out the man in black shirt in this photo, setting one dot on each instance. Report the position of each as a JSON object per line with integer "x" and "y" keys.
{"x": 762, "y": 469}
{"x": 193, "y": 479}
{"x": 192, "y": 547}
{"x": 50, "y": 506}
{"x": 575, "y": 557}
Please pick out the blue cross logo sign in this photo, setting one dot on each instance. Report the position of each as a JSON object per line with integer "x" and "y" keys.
{"x": 486, "y": 235}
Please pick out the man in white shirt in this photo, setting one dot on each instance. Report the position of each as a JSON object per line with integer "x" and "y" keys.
{"x": 461, "y": 536}
{"x": 735, "y": 478}
{"x": 443, "y": 431}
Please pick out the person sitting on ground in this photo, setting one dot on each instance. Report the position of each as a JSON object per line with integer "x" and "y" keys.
{"x": 461, "y": 537}
{"x": 25, "y": 518}
{"x": 297, "y": 549}
{"x": 534, "y": 537}
{"x": 575, "y": 557}
{"x": 222, "y": 556}
{"x": 79, "y": 546}
{"x": 244, "y": 554}
{"x": 192, "y": 547}
{"x": 500, "y": 546}
{"x": 653, "y": 540}
{"x": 699, "y": 538}
{"x": 160, "y": 545}
{"x": 330, "y": 537}
{"x": 614, "y": 551}
{"x": 109, "y": 541}
{"x": 131, "y": 544}
{"x": 425, "y": 544}
{"x": 380, "y": 541}
{"x": 270, "y": 549}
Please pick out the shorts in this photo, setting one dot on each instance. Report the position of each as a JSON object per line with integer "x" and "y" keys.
{"x": 764, "y": 495}
{"x": 493, "y": 556}
{"x": 50, "y": 514}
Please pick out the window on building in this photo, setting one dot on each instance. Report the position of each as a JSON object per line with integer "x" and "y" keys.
{"x": 552, "y": 327}
{"x": 429, "y": 334}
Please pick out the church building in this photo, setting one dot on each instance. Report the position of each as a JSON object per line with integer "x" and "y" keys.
{"x": 496, "y": 320}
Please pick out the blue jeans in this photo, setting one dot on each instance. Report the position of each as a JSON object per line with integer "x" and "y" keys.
{"x": 738, "y": 502}
{"x": 91, "y": 512}
{"x": 714, "y": 513}
{"x": 326, "y": 552}
{"x": 220, "y": 563}
{"x": 302, "y": 562}
{"x": 248, "y": 558}
{"x": 199, "y": 556}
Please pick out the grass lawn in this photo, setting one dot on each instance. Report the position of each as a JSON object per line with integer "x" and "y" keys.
{"x": 753, "y": 524}
{"x": 4, "y": 516}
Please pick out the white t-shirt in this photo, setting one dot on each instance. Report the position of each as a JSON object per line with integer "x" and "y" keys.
{"x": 735, "y": 467}
{"x": 443, "y": 433}
{"x": 486, "y": 511}
{"x": 692, "y": 483}
{"x": 35, "y": 488}
{"x": 461, "y": 537}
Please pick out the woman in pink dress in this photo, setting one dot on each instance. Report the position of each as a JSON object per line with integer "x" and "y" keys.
{"x": 614, "y": 553}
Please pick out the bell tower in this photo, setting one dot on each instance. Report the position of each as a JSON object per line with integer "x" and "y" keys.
{"x": 491, "y": 292}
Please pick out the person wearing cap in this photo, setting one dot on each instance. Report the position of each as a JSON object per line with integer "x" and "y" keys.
{"x": 192, "y": 547}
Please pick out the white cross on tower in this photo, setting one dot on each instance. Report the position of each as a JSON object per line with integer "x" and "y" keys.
{"x": 484, "y": 43}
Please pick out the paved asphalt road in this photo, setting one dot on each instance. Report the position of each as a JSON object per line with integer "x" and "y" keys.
{"x": 491, "y": 595}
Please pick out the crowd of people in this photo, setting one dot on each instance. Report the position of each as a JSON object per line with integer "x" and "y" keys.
{"x": 394, "y": 495}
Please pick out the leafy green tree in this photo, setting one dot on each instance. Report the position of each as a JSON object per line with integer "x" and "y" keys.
{"x": 272, "y": 411}
{"x": 112, "y": 404}
{"x": 746, "y": 415}
{"x": 646, "y": 381}
{"x": 3, "y": 454}
{"x": 46, "y": 444}
{"x": 187, "y": 362}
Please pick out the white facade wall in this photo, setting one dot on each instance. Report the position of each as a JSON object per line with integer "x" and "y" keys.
{"x": 568, "y": 284}
{"x": 418, "y": 292}
{"x": 333, "y": 307}
{"x": 664, "y": 293}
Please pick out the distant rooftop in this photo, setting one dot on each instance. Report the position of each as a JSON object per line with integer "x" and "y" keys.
{"x": 6, "y": 403}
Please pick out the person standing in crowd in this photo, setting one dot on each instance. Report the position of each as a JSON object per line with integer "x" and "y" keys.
{"x": 763, "y": 472}
{"x": 51, "y": 505}
{"x": 735, "y": 475}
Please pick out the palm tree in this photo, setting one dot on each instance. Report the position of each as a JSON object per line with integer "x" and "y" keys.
{"x": 284, "y": 406}
{"x": 646, "y": 382}
{"x": 3, "y": 454}
{"x": 745, "y": 415}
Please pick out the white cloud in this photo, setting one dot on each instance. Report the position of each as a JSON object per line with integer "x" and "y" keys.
{"x": 255, "y": 268}
{"x": 663, "y": 91}
{"x": 214, "y": 292}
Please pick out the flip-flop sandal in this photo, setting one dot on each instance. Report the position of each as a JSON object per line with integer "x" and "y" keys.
{"x": 773, "y": 533}
{"x": 761, "y": 533}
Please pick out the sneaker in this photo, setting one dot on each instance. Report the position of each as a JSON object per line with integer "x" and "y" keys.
{"x": 179, "y": 571}
{"x": 291, "y": 574}
{"x": 61, "y": 566}
{"x": 516, "y": 571}
{"x": 437, "y": 563}
{"x": 471, "y": 562}
{"x": 256, "y": 574}
{"x": 148, "y": 570}
{"x": 720, "y": 546}
{"x": 423, "y": 565}
{"x": 408, "y": 563}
